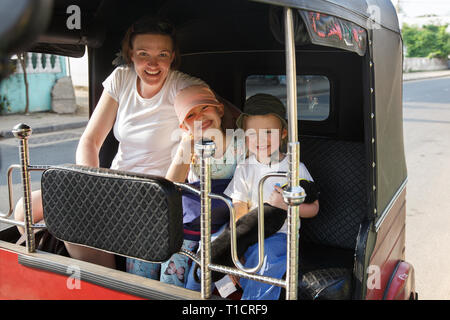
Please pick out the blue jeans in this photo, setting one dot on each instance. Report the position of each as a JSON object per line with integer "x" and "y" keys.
{"x": 274, "y": 266}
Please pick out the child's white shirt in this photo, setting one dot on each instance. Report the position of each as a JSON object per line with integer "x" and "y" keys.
{"x": 244, "y": 185}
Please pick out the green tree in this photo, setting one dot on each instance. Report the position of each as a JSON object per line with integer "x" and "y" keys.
{"x": 431, "y": 41}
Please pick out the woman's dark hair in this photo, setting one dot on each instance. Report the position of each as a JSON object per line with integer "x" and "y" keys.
{"x": 150, "y": 25}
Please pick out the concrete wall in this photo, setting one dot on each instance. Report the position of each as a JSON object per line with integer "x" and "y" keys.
{"x": 424, "y": 64}
{"x": 41, "y": 79}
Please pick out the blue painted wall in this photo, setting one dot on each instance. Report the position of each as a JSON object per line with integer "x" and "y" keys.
{"x": 39, "y": 85}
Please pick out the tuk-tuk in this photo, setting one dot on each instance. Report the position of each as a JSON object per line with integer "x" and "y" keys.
{"x": 338, "y": 67}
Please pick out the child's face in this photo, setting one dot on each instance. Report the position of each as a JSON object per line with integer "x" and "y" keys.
{"x": 202, "y": 119}
{"x": 264, "y": 134}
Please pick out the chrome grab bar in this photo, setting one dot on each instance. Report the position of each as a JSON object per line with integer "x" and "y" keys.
{"x": 10, "y": 188}
{"x": 10, "y": 191}
{"x": 204, "y": 149}
{"x": 293, "y": 196}
{"x": 294, "y": 190}
{"x": 23, "y": 132}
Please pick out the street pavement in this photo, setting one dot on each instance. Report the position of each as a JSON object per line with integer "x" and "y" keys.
{"x": 43, "y": 122}
{"x": 426, "y": 120}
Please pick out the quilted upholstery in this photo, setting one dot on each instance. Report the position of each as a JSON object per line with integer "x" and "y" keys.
{"x": 133, "y": 215}
{"x": 328, "y": 241}
{"x": 326, "y": 284}
{"x": 338, "y": 167}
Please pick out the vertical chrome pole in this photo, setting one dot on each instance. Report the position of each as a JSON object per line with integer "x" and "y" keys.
{"x": 293, "y": 159}
{"x": 205, "y": 150}
{"x": 23, "y": 132}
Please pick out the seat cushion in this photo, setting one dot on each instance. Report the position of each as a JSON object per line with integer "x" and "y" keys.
{"x": 339, "y": 170}
{"x": 134, "y": 215}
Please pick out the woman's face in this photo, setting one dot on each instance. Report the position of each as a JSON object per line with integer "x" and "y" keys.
{"x": 264, "y": 134}
{"x": 203, "y": 118}
{"x": 152, "y": 56}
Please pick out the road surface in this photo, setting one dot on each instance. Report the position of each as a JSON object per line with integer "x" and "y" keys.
{"x": 426, "y": 115}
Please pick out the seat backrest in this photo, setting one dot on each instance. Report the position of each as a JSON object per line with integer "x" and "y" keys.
{"x": 129, "y": 214}
{"x": 338, "y": 167}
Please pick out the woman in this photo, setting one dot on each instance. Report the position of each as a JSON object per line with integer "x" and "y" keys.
{"x": 137, "y": 102}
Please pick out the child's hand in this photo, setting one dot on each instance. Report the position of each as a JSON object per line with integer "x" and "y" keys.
{"x": 276, "y": 198}
{"x": 186, "y": 149}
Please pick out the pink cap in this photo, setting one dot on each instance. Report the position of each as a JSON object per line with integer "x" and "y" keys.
{"x": 191, "y": 97}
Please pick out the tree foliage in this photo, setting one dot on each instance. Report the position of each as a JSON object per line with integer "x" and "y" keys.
{"x": 432, "y": 41}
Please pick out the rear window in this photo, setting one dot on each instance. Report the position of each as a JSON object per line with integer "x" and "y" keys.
{"x": 313, "y": 93}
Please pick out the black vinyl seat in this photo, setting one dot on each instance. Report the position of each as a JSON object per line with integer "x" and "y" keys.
{"x": 328, "y": 241}
{"x": 129, "y": 214}
{"x": 325, "y": 272}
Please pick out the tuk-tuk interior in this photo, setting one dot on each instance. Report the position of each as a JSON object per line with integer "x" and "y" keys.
{"x": 229, "y": 43}
{"x": 225, "y": 46}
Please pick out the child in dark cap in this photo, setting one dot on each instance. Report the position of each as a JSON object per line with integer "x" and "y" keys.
{"x": 266, "y": 131}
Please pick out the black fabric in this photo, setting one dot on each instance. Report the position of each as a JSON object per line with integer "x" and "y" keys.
{"x": 129, "y": 214}
{"x": 328, "y": 241}
{"x": 246, "y": 235}
{"x": 311, "y": 190}
{"x": 45, "y": 241}
{"x": 325, "y": 273}
{"x": 339, "y": 169}
{"x": 220, "y": 214}
{"x": 326, "y": 284}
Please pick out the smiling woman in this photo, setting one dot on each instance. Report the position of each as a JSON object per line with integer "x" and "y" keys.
{"x": 150, "y": 45}
{"x": 137, "y": 103}
{"x": 152, "y": 56}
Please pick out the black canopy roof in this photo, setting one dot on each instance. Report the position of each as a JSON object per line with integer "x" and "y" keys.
{"x": 362, "y": 12}
{"x": 101, "y": 16}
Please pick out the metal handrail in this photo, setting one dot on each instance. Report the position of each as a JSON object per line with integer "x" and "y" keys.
{"x": 293, "y": 196}
{"x": 23, "y": 132}
{"x": 10, "y": 191}
{"x": 10, "y": 187}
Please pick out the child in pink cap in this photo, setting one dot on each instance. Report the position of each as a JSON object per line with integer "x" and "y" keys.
{"x": 200, "y": 116}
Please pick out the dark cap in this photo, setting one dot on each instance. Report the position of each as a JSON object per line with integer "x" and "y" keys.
{"x": 262, "y": 104}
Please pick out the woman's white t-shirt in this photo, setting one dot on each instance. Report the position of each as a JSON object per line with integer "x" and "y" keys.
{"x": 147, "y": 129}
{"x": 244, "y": 185}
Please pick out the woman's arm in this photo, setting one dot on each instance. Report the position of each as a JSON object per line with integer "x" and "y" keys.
{"x": 87, "y": 153}
{"x": 98, "y": 127}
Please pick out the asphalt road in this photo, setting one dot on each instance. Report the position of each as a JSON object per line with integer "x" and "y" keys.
{"x": 427, "y": 146}
{"x": 45, "y": 149}
{"x": 426, "y": 128}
